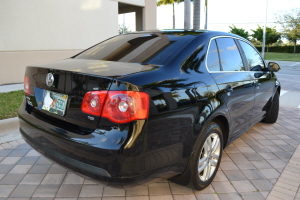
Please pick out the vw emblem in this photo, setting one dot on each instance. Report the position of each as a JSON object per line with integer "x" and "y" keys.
{"x": 49, "y": 79}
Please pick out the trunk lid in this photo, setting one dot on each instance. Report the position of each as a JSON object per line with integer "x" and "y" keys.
{"x": 72, "y": 79}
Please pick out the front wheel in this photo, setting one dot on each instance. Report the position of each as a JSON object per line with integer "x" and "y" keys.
{"x": 206, "y": 158}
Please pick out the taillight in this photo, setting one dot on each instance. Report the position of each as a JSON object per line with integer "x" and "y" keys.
{"x": 26, "y": 85}
{"x": 117, "y": 106}
{"x": 126, "y": 106}
{"x": 93, "y": 102}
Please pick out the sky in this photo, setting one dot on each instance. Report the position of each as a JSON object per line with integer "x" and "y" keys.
{"x": 222, "y": 14}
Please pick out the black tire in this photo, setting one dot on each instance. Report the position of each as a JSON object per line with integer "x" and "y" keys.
{"x": 272, "y": 113}
{"x": 200, "y": 180}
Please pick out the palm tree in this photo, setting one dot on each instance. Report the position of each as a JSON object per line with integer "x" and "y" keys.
{"x": 196, "y": 19}
{"x": 167, "y": 2}
{"x": 187, "y": 14}
{"x": 205, "y": 7}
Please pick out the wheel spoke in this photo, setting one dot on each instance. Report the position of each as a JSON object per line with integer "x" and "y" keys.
{"x": 209, "y": 144}
{"x": 200, "y": 168}
{"x": 206, "y": 147}
{"x": 213, "y": 162}
{"x": 216, "y": 144}
{"x": 207, "y": 171}
{"x": 215, "y": 156}
{"x": 202, "y": 160}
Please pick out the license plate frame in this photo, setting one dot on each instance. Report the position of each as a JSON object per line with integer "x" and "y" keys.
{"x": 55, "y": 103}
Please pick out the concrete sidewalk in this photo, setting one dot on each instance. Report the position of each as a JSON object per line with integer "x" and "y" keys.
{"x": 264, "y": 163}
{"x": 11, "y": 87}
{"x": 9, "y": 130}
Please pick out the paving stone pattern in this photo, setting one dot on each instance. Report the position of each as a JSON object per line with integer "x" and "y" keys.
{"x": 264, "y": 163}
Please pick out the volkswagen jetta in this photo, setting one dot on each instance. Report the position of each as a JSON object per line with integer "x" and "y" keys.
{"x": 148, "y": 105}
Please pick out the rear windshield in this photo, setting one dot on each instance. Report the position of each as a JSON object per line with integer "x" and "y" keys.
{"x": 154, "y": 48}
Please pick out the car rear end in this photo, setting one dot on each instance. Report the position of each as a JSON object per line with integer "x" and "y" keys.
{"x": 75, "y": 120}
{"x": 89, "y": 113}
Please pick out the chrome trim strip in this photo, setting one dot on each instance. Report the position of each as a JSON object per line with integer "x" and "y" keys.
{"x": 227, "y": 36}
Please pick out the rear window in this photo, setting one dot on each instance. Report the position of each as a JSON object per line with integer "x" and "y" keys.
{"x": 154, "y": 48}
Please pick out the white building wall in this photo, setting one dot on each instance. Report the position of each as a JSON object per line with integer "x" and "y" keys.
{"x": 56, "y": 24}
{"x": 134, "y": 2}
{"x": 37, "y": 31}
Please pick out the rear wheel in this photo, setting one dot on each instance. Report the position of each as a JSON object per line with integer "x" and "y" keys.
{"x": 206, "y": 159}
{"x": 272, "y": 113}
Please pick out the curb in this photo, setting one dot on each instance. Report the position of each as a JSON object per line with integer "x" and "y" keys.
{"x": 9, "y": 125}
{"x": 11, "y": 87}
{"x": 9, "y": 130}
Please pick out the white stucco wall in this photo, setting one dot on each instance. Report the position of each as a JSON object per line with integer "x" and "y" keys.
{"x": 56, "y": 24}
{"x": 37, "y": 31}
{"x": 134, "y": 2}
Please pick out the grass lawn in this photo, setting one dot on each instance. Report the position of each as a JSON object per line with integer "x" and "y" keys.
{"x": 282, "y": 56}
{"x": 10, "y": 103}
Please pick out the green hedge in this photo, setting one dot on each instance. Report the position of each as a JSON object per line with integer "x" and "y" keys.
{"x": 281, "y": 49}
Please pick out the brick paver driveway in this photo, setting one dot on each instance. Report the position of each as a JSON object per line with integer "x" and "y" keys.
{"x": 258, "y": 165}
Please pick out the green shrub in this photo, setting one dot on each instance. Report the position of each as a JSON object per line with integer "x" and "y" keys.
{"x": 281, "y": 49}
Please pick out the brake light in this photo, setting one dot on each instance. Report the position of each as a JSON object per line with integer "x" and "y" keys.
{"x": 26, "y": 85}
{"x": 117, "y": 106}
{"x": 93, "y": 102}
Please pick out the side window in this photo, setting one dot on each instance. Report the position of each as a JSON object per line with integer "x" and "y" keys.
{"x": 229, "y": 55}
{"x": 254, "y": 60}
{"x": 213, "y": 63}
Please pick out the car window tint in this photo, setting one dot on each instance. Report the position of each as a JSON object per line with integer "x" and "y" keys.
{"x": 254, "y": 60}
{"x": 229, "y": 55}
{"x": 154, "y": 48}
{"x": 213, "y": 63}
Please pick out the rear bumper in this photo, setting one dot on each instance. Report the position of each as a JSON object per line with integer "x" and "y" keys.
{"x": 91, "y": 157}
{"x": 64, "y": 160}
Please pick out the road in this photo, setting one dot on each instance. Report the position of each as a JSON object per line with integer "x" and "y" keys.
{"x": 289, "y": 77}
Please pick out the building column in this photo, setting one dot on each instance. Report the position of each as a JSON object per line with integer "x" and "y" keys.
{"x": 149, "y": 15}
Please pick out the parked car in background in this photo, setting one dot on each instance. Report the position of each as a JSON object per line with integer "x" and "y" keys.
{"x": 148, "y": 105}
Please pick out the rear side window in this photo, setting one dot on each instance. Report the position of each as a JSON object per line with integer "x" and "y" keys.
{"x": 229, "y": 55}
{"x": 254, "y": 60}
{"x": 213, "y": 63}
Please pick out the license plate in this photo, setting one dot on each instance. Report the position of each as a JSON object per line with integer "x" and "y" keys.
{"x": 55, "y": 102}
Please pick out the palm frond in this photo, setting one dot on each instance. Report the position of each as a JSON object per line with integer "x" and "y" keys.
{"x": 165, "y": 2}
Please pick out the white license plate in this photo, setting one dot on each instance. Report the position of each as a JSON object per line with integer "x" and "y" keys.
{"x": 55, "y": 102}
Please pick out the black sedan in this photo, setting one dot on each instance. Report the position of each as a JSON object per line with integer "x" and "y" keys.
{"x": 148, "y": 105}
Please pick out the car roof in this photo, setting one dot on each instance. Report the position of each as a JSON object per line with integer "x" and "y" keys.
{"x": 207, "y": 33}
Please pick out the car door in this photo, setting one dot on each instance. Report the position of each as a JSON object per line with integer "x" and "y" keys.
{"x": 263, "y": 83}
{"x": 235, "y": 83}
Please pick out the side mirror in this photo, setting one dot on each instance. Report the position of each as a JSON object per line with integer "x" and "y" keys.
{"x": 257, "y": 68}
{"x": 273, "y": 67}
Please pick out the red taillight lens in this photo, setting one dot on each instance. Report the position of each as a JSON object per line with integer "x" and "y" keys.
{"x": 117, "y": 106}
{"x": 93, "y": 102}
{"x": 26, "y": 85}
{"x": 126, "y": 106}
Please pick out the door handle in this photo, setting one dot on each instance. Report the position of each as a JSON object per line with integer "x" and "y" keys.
{"x": 257, "y": 84}
{"x": 228, "y": 89}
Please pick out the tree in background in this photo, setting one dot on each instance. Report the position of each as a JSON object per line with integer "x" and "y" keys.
{"x": 290, "y": 23}
{"x": 255, "y": 42}
{"x": 124, "y": 29}
{"x": 272, "y": 35}
{"x": 239, "y": 31}
{"x": 167, "y": 2}
{"x": 187, "y": 14}
{"x": 196, "y": 18}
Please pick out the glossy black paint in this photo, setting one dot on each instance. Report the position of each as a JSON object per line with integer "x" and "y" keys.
{"x": 185, "y": 96}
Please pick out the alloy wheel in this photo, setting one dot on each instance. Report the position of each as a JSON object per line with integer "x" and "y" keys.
{"x": 209, "y": 157}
